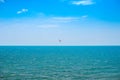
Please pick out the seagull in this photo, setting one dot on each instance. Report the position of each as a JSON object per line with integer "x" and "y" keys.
{"x": 60, "y": 41}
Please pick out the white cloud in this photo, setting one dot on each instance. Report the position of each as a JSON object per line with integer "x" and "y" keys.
{"x": 41, "y": 14}
{"x": 48, "y": 26}
{"x": 83, "y": 2}
{"x": 64, "y": 19}
{"x": 84, "y": 16}
{"x": 22, "y": 11}
{"x": 63, "y": 0}
{"x": 2, "y": 1}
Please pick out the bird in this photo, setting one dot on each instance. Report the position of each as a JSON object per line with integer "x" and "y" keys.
{"x": 60, "y": 41}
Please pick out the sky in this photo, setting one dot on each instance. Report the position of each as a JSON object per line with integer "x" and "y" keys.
{"x": 46, "y": 22}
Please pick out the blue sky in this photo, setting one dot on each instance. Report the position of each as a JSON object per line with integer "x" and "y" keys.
{"x": 45, "y": 22}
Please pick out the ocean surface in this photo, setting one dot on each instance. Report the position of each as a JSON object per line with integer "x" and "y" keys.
{"x": 59, "y": 62}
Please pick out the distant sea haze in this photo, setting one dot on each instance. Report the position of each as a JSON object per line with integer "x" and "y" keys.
{"x": 59, "y": 62}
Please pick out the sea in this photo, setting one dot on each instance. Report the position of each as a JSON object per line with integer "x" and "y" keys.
{"x": 59, "y": 62}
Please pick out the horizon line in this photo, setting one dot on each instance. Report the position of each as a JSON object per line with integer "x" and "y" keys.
{"x": 60, "y": 45}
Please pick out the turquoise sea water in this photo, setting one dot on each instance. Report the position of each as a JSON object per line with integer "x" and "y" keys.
{"x": 60, "y": 63}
